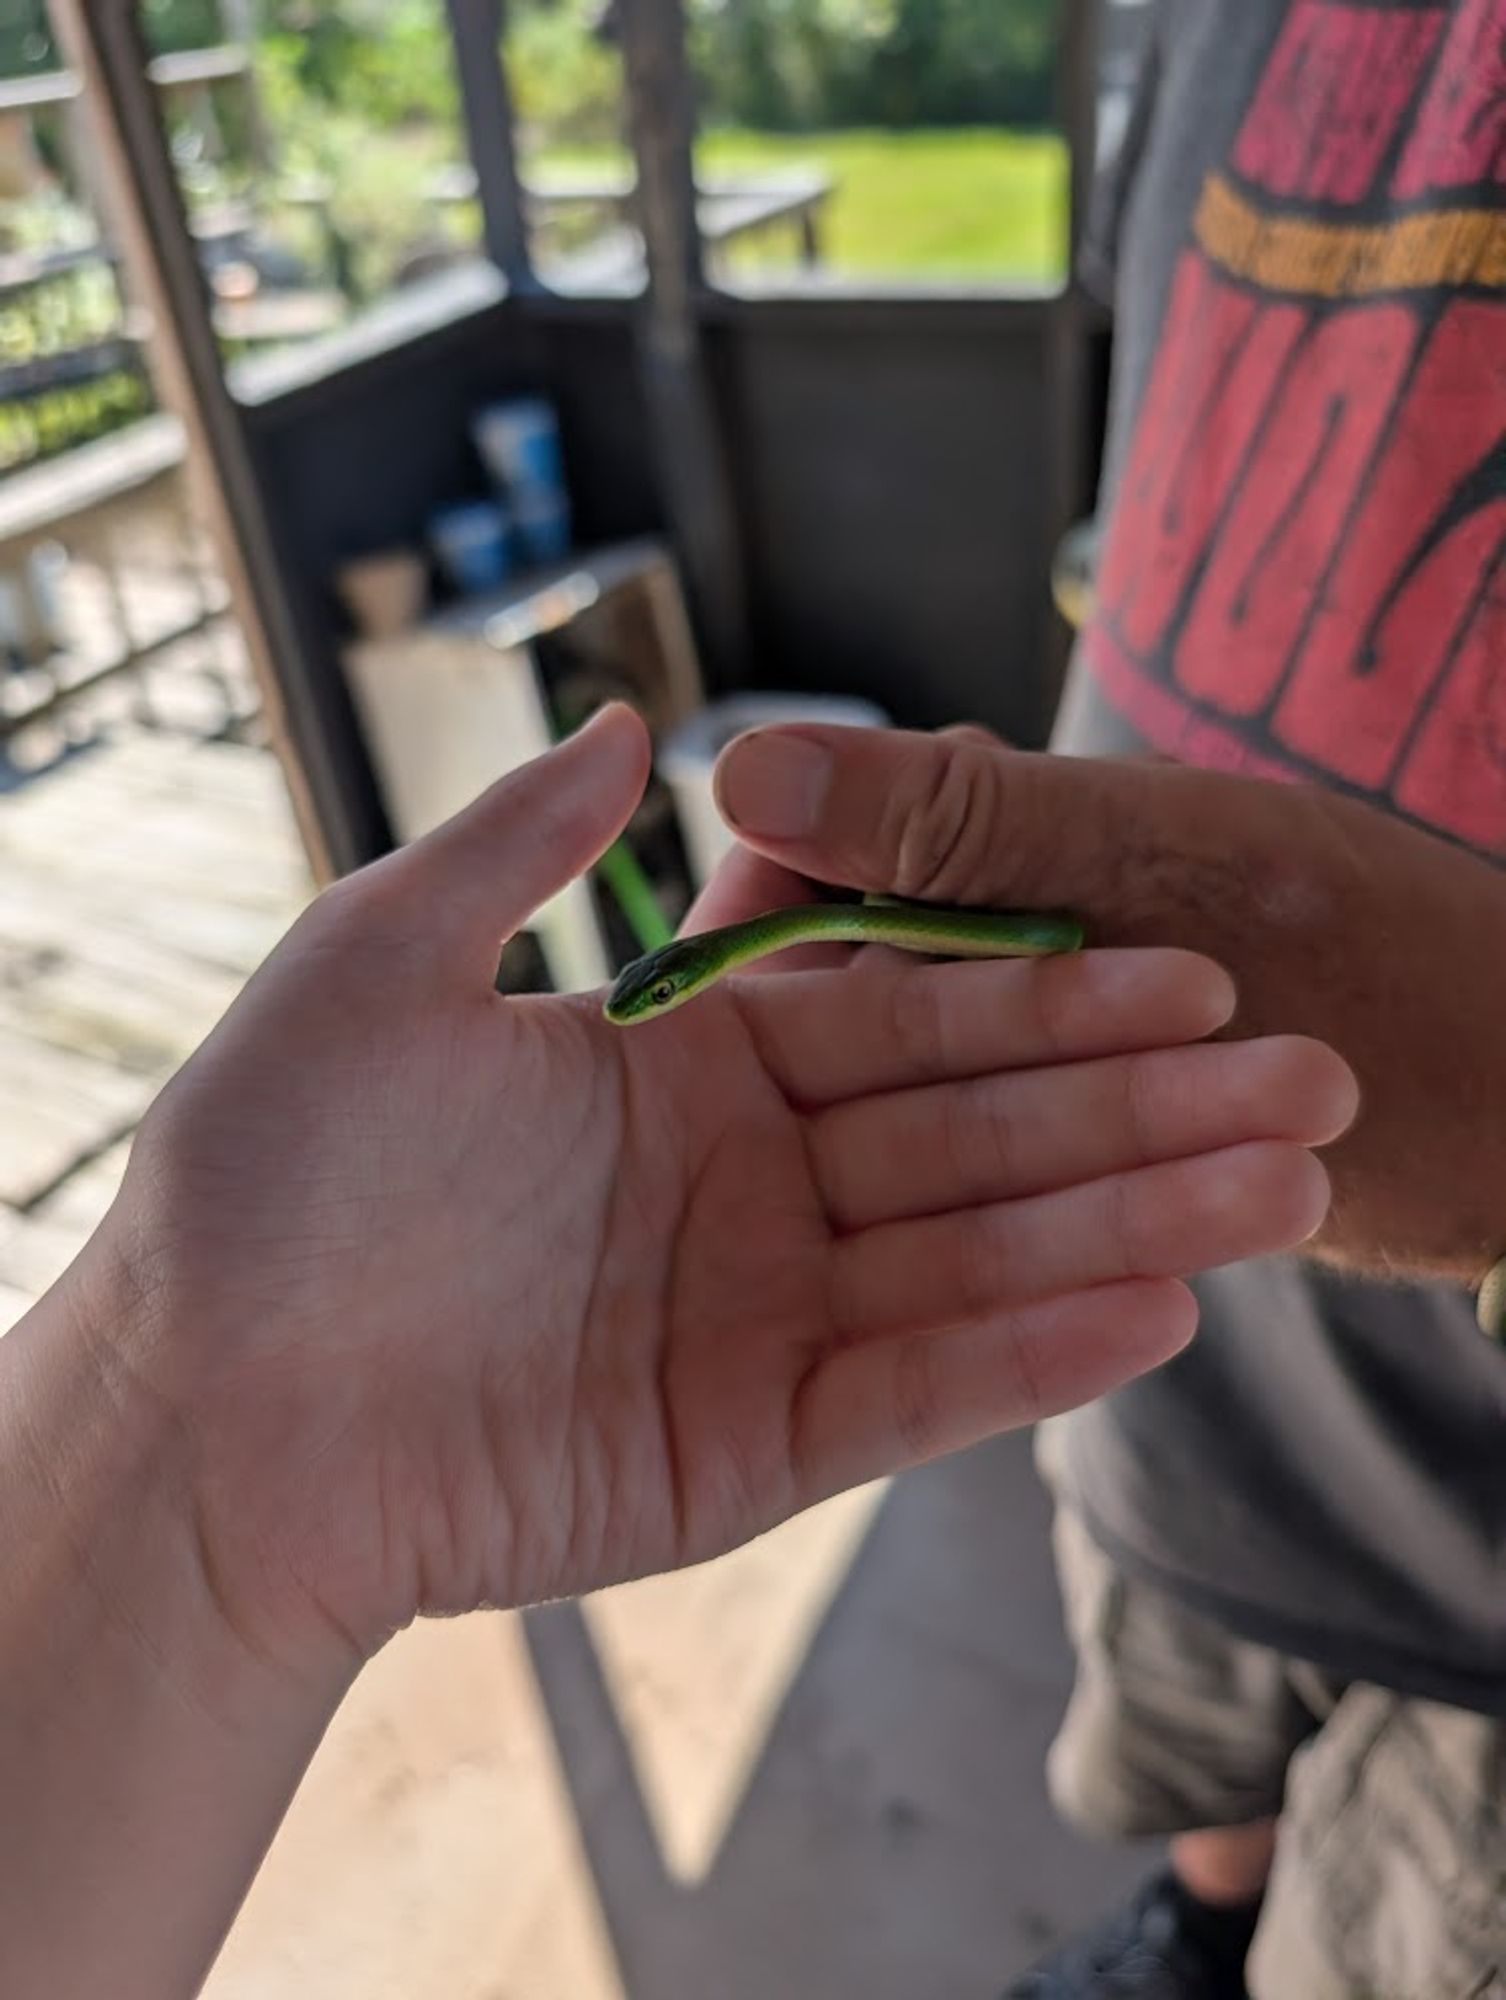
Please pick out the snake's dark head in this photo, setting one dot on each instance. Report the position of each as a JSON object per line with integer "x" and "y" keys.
{"x": 657, "y": 984}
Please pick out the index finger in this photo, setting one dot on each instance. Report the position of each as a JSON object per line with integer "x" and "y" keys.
{"x": 746, "y": 885}
{"x": 891, "y": 1025}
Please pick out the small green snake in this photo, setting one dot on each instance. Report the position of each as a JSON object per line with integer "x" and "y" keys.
{"x": 667, "y": 978}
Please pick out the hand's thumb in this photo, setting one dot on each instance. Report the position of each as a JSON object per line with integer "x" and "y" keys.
{"x": 947, "y": 819}
{"x": 535, "y": 830}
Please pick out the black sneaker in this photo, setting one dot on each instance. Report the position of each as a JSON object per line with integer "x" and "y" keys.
{"x": 1164, "y": 1944}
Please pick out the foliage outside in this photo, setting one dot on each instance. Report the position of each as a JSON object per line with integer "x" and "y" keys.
{"x": 931, "y": 119}
{"x": 775, "y": 65}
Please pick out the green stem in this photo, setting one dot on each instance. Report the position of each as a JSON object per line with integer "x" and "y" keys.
{"x": 624, "y": 878}
{"x": 635, "y": 897}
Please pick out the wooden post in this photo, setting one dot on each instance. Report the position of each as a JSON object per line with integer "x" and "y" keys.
{"x": 330, "y": 782}
{"x": 689, "y": 439}
{"x": 476, "y": 28}
{"x": 1078, "y": 87}
{"x": 1074, "y": 448}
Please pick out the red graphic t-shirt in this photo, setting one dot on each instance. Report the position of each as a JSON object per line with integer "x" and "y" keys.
{"x": 1303, "y": 576}
{"x": 1305, "y": 573}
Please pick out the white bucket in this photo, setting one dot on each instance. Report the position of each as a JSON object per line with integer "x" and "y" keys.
{"x": 687, "y": 758}
{"x": 31, "y": 612}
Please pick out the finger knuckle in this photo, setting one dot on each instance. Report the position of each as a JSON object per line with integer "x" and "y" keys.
{"x": 972, "y": 732}
{"x": 1126, "y": 1236}
{"x": 1144, "y": 1091}
{"x": 987, "y": 1258}
{"x": 1027, "y": 1392}
{"x": 917, "y": 1021}
{"x": 370, "y": 921}
{"x": 945, "y": 824}
{"x": 366, "y": 896}
{"x": 837, "y": 1156}
{"x": 1051, "y": 984}
{"x": 917, "y": 1396}
{"x": 981, "y": 1138}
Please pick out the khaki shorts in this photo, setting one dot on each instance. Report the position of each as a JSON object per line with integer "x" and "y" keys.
{"x": 1390, "y": 1875}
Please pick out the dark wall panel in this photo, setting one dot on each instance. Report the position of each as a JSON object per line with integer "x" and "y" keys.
{"x": 898, "y": 496}
{"x": 891, "y": 462}
{"x": 360, "y": 459}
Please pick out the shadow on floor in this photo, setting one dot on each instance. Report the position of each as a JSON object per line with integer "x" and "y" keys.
{"x": 895, "y": 1841}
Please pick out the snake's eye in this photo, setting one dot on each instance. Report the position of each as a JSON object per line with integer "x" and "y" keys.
{"x": 663, "y": 993}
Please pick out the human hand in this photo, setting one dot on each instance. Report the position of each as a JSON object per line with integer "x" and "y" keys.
{"x": 1335, "y": 920}
{"x": 458, "y": 1299}
{"x": 417, "y": 1298}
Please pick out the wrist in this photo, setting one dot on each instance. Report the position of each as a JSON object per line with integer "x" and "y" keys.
{"x": 106, "y": 1468}
{"x": 155, "y": 1750}
{"x": 275, "y": 1472}
{"x": 1406, "y": 976}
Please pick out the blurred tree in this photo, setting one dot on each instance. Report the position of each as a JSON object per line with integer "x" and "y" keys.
{"x": 387, "y": 59}
{"x": 172, "y": 25}
{"x": 565, "y": 70}
{"x": 788, "y": 64}
{"x": 27, "y": 46}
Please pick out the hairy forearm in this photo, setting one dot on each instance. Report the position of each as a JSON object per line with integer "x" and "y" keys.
{"x": 146, "y": 1757}
{"x": 1409, "y": 985}
{"x": 1342, "y": 922}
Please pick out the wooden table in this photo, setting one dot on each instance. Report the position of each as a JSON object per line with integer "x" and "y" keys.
{"x": 732, "y": 207}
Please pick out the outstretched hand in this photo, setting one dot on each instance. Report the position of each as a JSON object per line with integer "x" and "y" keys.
{"x": 417, "y": 1298}
{"x": 459, "y": 1299}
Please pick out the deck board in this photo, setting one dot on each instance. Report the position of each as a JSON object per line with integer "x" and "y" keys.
{"x": 141, "y": 882}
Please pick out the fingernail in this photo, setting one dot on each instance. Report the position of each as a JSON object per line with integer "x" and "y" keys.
{"x": 596, "y": 716}
{"x": 602, "y": 725}
{"x": 774, "y": 784}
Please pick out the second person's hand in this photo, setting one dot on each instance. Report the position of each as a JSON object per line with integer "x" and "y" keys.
{"x": 1336, "y": 921}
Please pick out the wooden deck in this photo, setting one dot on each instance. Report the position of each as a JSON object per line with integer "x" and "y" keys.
{"x": 140, "y": 883}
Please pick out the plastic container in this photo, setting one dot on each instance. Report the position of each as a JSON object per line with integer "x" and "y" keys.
{"x": 31, "y": 613}
{"x": 543, "y": 529}
{"x": 687, "y": 758}
{"x": 384, "y": 593}
{"x": 519, "y": 444}
{"x": 474, "y": 545}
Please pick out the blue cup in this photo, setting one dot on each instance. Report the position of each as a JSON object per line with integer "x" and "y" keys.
{"x": 474, "y": 545}
{"x": 519, "y": 443}
{"x": 544, "y": 529}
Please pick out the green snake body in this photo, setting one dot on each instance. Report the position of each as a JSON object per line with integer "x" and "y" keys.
{"x": 667, "y": 978}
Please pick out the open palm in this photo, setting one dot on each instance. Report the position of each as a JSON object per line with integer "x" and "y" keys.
{"x": 503, "y": 1302}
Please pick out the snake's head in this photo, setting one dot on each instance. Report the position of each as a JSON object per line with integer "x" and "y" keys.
{"x": 657, "y": 984}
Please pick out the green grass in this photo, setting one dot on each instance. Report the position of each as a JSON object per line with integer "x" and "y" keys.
{"x": 965, "y": 204}
{"x": 976, "y": 204}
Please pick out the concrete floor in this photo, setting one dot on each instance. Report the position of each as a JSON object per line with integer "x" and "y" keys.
{"x": 812, "y": 1769}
